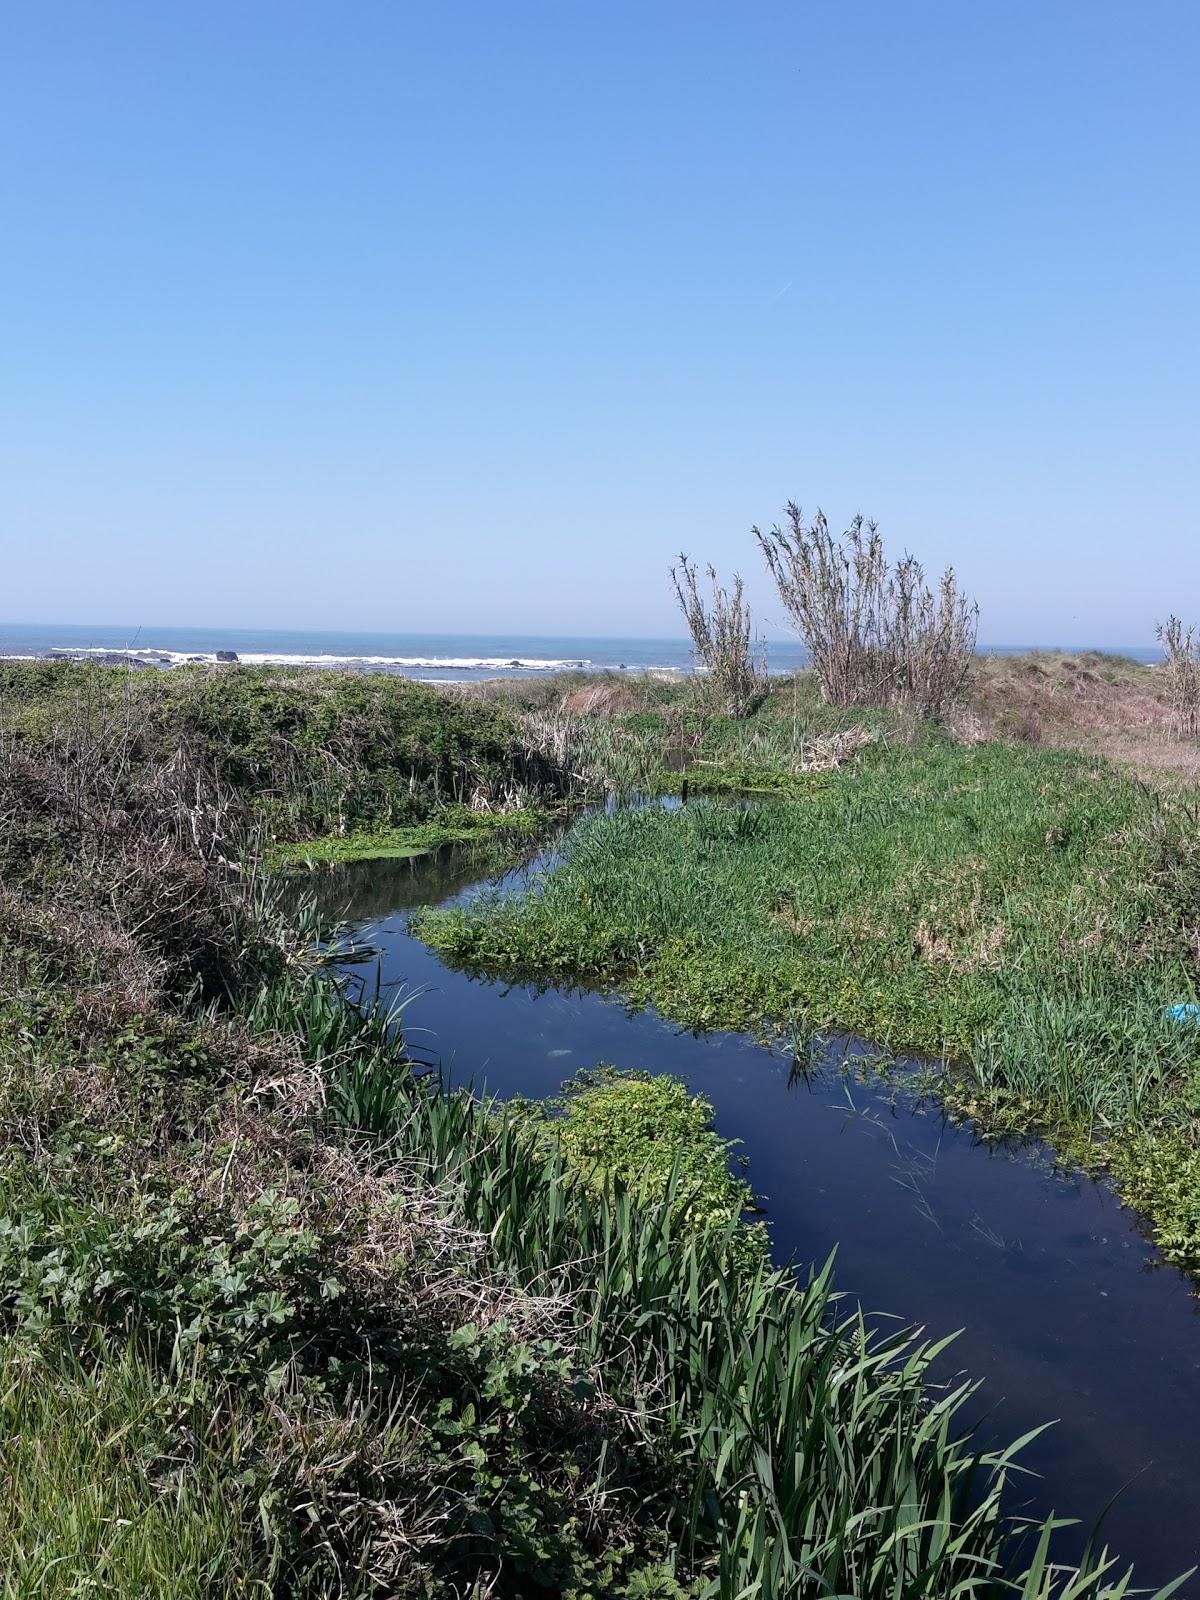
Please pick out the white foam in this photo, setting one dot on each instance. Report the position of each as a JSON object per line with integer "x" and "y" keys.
{"x": 445, "y": 663}
{"x": 273, "y": 658}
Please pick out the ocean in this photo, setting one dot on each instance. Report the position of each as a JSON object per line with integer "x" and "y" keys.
{"x": 434, "y": 657}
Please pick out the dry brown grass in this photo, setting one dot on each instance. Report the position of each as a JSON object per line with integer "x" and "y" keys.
{"x": 1105, "y": 705}
{"x": 602, "y": 699}
{"x": 140, "y": 861}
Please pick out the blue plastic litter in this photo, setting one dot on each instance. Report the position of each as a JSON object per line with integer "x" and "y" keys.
{"x": 1185, "y": 1011}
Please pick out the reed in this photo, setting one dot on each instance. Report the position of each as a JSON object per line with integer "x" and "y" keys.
{"x": 733, "y": 681}
{"x": 1182, "y": 650}
{"x": 875, "y": 632}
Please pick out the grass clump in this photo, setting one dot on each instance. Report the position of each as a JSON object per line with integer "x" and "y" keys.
{"x": 647, "y": 1134}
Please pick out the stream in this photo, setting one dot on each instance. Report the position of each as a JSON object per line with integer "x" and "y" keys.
{"x": 1067, "y": 1313}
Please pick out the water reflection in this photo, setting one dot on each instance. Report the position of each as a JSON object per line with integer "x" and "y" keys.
{"x": 1066, "y": 1311}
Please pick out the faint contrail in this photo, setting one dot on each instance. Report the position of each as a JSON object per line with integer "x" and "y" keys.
{"x": 784, "y": 290}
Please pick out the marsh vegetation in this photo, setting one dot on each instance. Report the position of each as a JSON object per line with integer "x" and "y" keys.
{"x": 874, "y": 630}
{"x": 1024, "y": 917}
{"x": 319, "y": 1325}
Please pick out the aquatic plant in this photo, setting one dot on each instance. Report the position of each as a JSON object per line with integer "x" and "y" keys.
{"x": 1025, "y": 916}
{"x": 646, "y": 1132}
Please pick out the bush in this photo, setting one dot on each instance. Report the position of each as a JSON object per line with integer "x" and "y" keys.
{"x": 875, "y": 634}
{"x": 1182, "y": 650}
{"x": 733, "y": 681}
{"x": 304, "y": 752}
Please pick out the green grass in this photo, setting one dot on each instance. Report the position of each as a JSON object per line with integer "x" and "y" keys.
{"x": 309, "y": 753}
{"x": 113, "y": 1481}
{"x": 1027, "y": 915}
{"x": 280, "y": 1316}
{"x": 452, "y": 825}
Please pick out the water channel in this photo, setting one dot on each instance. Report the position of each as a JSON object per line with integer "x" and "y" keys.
{"x": 1067, "y": 1314}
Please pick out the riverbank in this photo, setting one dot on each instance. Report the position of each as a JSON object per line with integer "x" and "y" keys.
{"x": 306, "y": 765}
{"x": 1024, "y": 916}
{"x": 312, "y": 1323}
{"x": 1066, "y": 1310}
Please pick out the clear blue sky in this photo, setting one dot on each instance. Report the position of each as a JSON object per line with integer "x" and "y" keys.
{"x": 461, "y": 316}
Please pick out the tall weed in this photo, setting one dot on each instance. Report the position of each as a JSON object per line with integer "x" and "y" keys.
{"x": 875, "y": 632}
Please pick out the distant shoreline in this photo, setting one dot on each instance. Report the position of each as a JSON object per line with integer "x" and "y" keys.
{"x": 431, "y": 658}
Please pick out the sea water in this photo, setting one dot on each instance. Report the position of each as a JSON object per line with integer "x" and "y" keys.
{"x": 445, "y": 657}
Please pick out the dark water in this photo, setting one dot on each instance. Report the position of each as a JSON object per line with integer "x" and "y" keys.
{"x": 1067, "y": 1314}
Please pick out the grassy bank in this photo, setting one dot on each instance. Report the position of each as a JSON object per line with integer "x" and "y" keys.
{"x": 280, "y": 1317}
{"x": 300, "y": 757}
{"x": 1025, "y": 915}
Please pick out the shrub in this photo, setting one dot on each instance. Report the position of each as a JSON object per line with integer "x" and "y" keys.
{"x": 303, "y": 753}
{"x": 876, "y": 634}
{"x": 734, "y": 681}
{"x": 1182, "y": 650}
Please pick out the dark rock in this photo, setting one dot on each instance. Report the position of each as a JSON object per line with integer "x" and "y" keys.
{"x": 227, "y": 655}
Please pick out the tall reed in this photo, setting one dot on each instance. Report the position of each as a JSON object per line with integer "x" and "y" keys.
{"x": 876, "y": 633}
{"x": 734, "y": 680}
{"x": 1182, "y": 650}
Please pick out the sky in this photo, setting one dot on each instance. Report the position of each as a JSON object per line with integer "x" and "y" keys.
{"x": 470, "y": 316}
